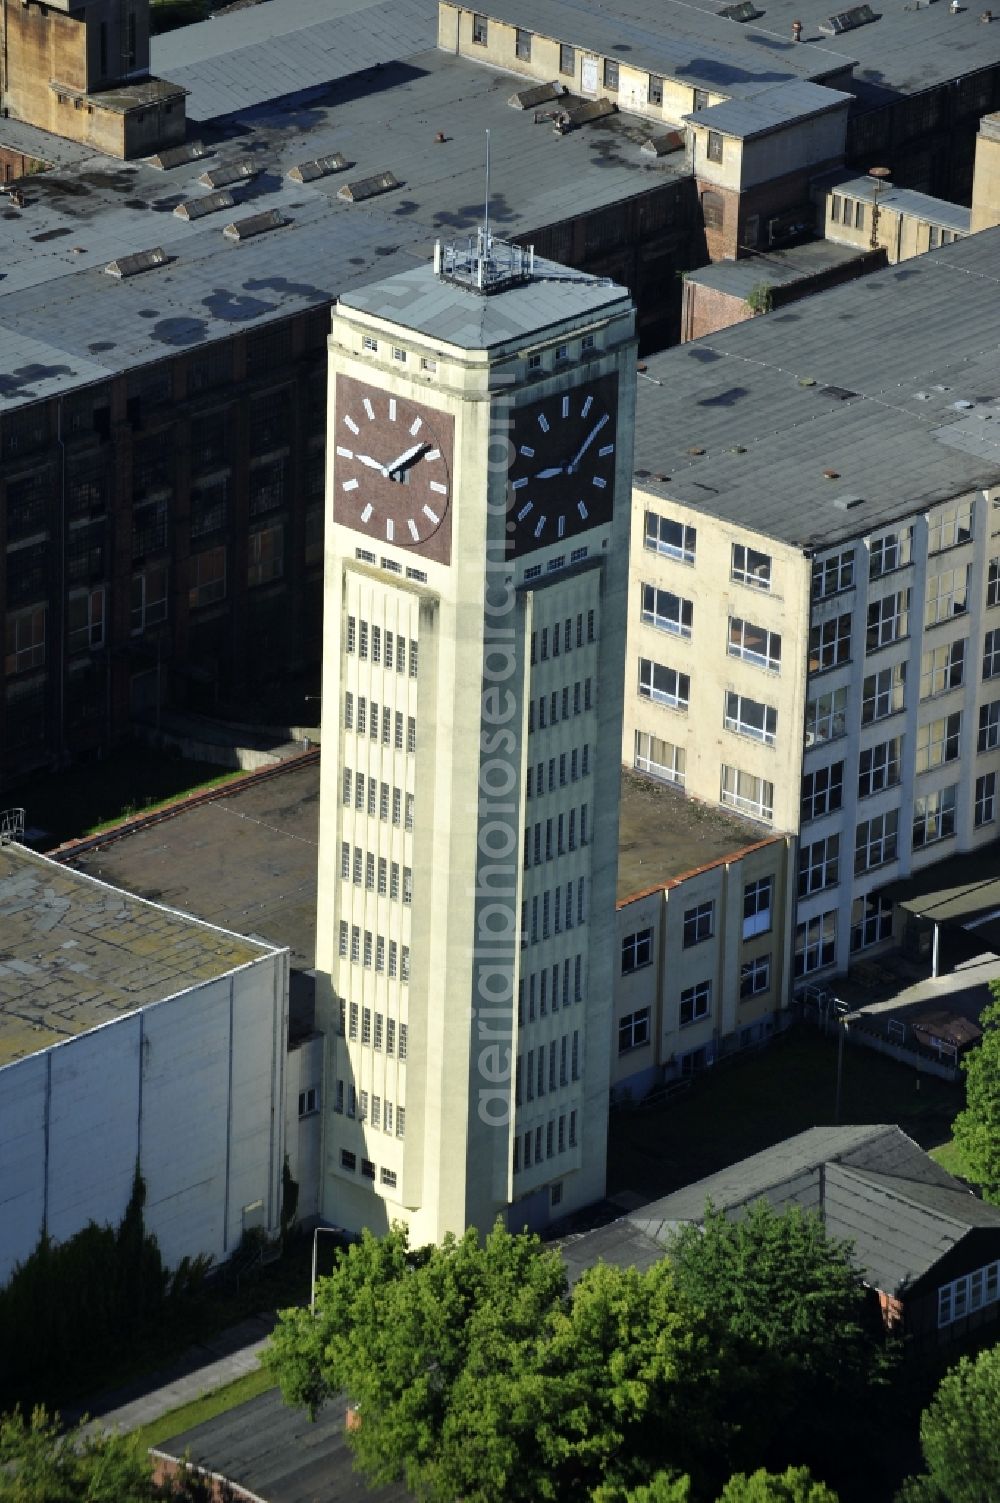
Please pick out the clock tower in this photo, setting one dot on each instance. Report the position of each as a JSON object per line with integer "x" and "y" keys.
{"x": 478, "y": 495}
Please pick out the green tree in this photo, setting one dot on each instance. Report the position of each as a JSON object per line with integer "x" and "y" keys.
{"x": 959, "y": 1437}
{"x": 478, "y": 1374}
{"x": 796, "y": 1485}
{"x": 40, "y": 1464}
{"x": 801, "y": 1349}
{"x": 977, "y": 1128}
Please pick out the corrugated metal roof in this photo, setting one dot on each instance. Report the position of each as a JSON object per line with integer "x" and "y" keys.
{"x": 774, "y": 107}
{"x": 910, "y": 341}
{"x": 903, "y": 200}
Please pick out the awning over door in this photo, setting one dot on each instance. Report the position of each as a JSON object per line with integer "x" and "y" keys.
{"x": 963, "y": 891}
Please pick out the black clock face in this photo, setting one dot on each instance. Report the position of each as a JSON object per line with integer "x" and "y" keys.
{"x": 561, "y": 480}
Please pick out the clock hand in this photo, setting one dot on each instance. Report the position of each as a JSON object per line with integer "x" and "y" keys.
{"x": 404, "y": 459}
{"x": 372, "y": 464}
{"x": 548, "y": 474}
{"x": 575, "y": 461}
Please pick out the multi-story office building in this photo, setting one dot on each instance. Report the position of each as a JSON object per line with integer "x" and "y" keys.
{"x": 481, "y": 414}
{"x": 814, "y": 594}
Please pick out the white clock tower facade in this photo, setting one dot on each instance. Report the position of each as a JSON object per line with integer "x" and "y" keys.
{"x": 478, "y": 496}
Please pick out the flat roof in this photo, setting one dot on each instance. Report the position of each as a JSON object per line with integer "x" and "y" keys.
{"x": 64, "y": 323}
{"x": 963, "y": 889}
{"x": 779, "y": 268}
{"x": 677, "y": 40}
{"x": 77, "y": 953}
{"x": 891, "y": 382}
{"x": 245, "y": 859}
{"x": 460, "y": 315}
{"x": 662, "y": 835}
{"x": 773, "y": 108}
{"x": 909, "y": 48}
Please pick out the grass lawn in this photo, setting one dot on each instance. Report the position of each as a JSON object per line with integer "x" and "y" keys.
{"x": 205, "y": 1408}
{"x": 748, "y": 1105}
{"x": 91, "y": 795}
{"x": 949, "y": 1156}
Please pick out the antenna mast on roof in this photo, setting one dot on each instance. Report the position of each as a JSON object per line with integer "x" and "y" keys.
{"x": 486, "y": 211}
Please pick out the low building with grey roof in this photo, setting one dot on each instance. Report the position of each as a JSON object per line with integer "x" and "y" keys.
{"x": 133, "y": 1038}
{"x": 921, "y": 1240}
{"x": 814, "y": 557}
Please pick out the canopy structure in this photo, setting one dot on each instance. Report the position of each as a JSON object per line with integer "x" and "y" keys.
{"x": 962, "y": 891}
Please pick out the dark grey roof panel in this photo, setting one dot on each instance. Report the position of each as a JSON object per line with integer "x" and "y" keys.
{"x": 771, "y": 109}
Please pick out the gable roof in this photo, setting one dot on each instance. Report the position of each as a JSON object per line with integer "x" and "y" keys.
{"x": 874, "y": 1186}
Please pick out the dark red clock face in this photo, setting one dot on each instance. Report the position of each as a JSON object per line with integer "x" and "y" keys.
{"x": 392, "y": 469}
{"x": 561, "y": 480}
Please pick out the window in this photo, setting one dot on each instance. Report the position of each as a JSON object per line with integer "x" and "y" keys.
{"x": 757, "y": 900}
{"x": 859, "y": 215}
{"x": 826, "y": 717}
{"x": 401, "y": 1122}
{"x": 674, "y": 539}
{"x": 522, "y": 45}
{"x": 938, "y": 742}
{"x": 947, "y": 595}
{"x": 750, "y": 567}
{"x": 951, "y": 526}
{"x": 883, "y": 693}
{"x": 748, "y": 717}
{"x": 755, "y": 977}
{"x": 754, "y": 644}
{"x": 567, "y": 59}
{"x": 815, "y": 943}
{"x": 822, "y": 791}
{"x": 24, "y": 646}
{"x": 655, "y": 89}
{"x": 832, "y": 574}
{"x": 699, "y": 924}
{"x": 970, "y": 1292}
{"x": 696, "y": 1002}
{"x": 888, "y": 620}
{"x": 713, "y": 210}
{"x": 871, "y": 921}
{"x": 751, "y": 795}
{"x": 986, "y": 799}
{"x": 699, "y": 99}
{"x": 819, "y": 865}
{"x": 348, "y": 1160}
{"x": 85, "y": 619}
{"x": 208, "y": 578}
{"x": 875, "y": 841}
{"x": 993, "y": 582}
{"x": 666, "y": 611}
{"x": 829, "y": 643}
{"x": 633, "y": 1030}
{"x": 879, "y": 766}
{"x": 893, "y": 551}
{"x": 611, "y": 74}
{"x": 480, "y": 30}
{"x": 713, "y": 149}
{"x": 942, "y": 669}
{"x": 266, "y": 555}
{"x": 664, "y": 685}
{"x": 991, "y": 655}
{"x": 934, "y": 816}
{"x": 387, "y": 1177}
{"x": 398, "y": 354}
{"x": 637, "y": 951}
{"x": 369, "y": 343}
{"x": 661, "y": 759}
{"x": 989, "y": 726}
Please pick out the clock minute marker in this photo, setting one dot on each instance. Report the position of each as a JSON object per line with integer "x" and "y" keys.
{"x": 345, "y": 453}
{"x": 588, "y": 404}
{"x": 392, "y": 409}
{"x": 433, "y": 454}
{"x": 527, "y": 451}
{"x": 433, "y": 515}
{"x": 367, "y": 405}
{"x": 543, "y": 422}
{"x": 581, "y": 507}
{"x": 350, "y": 485}
{"x": 442, "y": 490}
{"x": 390, "y": 530}
{"x": 565, "y": 407}
{"x": 518, "y": 485}
{"x": 600, "y": 482}
{"x": 608, "y": 449}
{"x": 562, "y": 527}
{"x": 528, "y": 507}
{"x": 539, "y": 525}
{"x": 414, "y": 534}
{"x": 416, "y": 426}
{"x": 350, "y": 423}
{"x": 367, "y": 513}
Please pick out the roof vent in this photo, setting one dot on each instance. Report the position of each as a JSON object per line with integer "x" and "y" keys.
{"x": 256, "y": 224}
{"x": 847, "y": 20}
{"x": 195, "y": 208}
{"x": 848, "y": 503}
{"x": 838, "y": 393}
{"x": 229, "y": 172}
{"x": 589, "y": 109}
{"x": 130, "y": 266}
{"x": 661, "y": 146}
{"x": 368, "y": 187}
{"x": 744, "y": 11}
{"x": 308, "y": 172}
{"x": 529, "y": 99}
{"x": 176, "y": 156}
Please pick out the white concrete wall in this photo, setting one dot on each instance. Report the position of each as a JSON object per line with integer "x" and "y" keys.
{"x": 303, "y": 1135}
{"x": 191, "y": 1087}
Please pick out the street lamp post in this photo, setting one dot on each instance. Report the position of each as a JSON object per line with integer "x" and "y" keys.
{"x": 332, "y": 1231}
